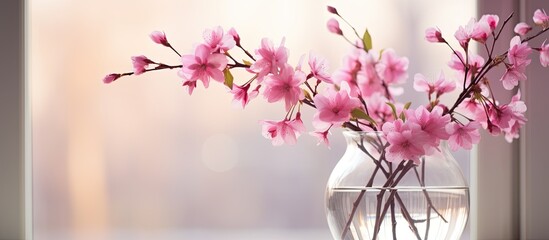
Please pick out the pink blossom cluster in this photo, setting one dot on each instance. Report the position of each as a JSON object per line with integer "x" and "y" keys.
{"x": 360, "y": 95}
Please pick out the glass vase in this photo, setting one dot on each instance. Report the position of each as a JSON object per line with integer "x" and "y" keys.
{"x": 368, "y": 197}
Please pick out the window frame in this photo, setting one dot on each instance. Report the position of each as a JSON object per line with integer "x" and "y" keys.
{"x": 517, "y": 162}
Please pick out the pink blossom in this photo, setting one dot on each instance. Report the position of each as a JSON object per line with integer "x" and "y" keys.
{"x": 434, "y": 35}
{"x": 285, "y": 85}
{"x": 203, "y": 65}
{"x": 517, "y": 108}
{"x": 270, "y": 60}
{"x": 541, "y": 18}
{"x": 285, "y": 131}
{"x": 518, "y": 52}
{"x": 335, "y": 107}
{"x": 241, "y": 95}
{"x": 378, "y": 108}
{"x": 333, "y": 26}
{"x": 501, "y": 116}
{"x": 191, "y": 85}
{"x": 456, "y": 61}
{"x": 463, "y": 136}
{"x": 319, "y": 68}
{"x": 465, "y": 33}
{"x": 440, "y": 86}
{"x": 160, "y": 38}
{"x": 235, "y": 35}
{"x": 475, "y": 63}
{"x": 490, "y": 20}
{"x": 216, "y": 40}
{"x": 431, "y": 123}
{"x": 140, "y": 63}
{"x": 111, "y": 78}
{"x": 391, "y": 68}
{"x": 472, "y": 108}
{"x": 359, "y": 73}
{"x": 522, "y": 28}
{"x": 544, "y": 54}
{"x": 513, "y": 75}
{"x": 348, "y": 71}
{"x": 481, "y": 31}
{"x": 322, "y": 137}
{"x": 406, "y": 141}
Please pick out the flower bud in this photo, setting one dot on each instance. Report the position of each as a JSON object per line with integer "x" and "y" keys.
{"x": 140, "y": 63}
{"x": 235, "y": 35}
{"x": 333, "y": 26}
{"x": 433, "y": 35}
{"x": 160, "y": 38}
{"x": 111, "y": 78}
{"x": 522, "y": 29}
{"x": 541, "y": 18}
{"x": 332, "y": 10}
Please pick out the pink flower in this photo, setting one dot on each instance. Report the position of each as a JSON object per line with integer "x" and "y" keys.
{"x": 359, "y": 73}
{"x": 465, "y": 33}
{"x": 203, "y": 65}
{"x": 463, "y": 136}
{"x": 140, "y": 63}
{"x": 391, "y": 68}
{"x": 475, "y": 62}
{"x": 335, "y": 107}
{"x": 285, "y": 85}
{"x": 434, "y": 35}
{"x": 406, "y": 141}
{"x": 431, "y": 123}
{"x": 241, "y": 95}
{"x": 333, "y": 26}
{"x": 378, "y": 108}
{"x": 216, "y": 40}
{"x": 285, "y": 131}
{"x": 472, "y": 108}
{"x": 440, "y": 86}
{"x": 319, "y": 68}
{"x": 522, "y": 28}
{"x": 111, "y": 78}
{"x": 322, "y": 137}
{"x": 235, "y": 35}
{"x": 270, "y": 60}
{"x": 544, "y": 54}
{"x": 456, "y": 61}
{"x": 541, "y": 18}
{"x": 518, "y": 52}
{"x": 513, "y": 75}
{"x": 490, "y": 20}
{"x": 160, "y": 38}
{"x": 191, "y": 85}
{"x": 481, "y": 31}
{"x": 517, "y": 109}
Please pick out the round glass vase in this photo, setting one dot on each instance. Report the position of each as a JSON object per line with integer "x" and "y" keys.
{"x": 368, "y": 197}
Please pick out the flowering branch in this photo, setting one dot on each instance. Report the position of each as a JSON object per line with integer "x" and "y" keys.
{"x": 360, "y": 95}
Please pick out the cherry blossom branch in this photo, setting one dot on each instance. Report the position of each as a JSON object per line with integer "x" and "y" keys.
{"x": 403, "y": 169}
{"x": 429, "y": 202}
{"x": 160, "y": 66}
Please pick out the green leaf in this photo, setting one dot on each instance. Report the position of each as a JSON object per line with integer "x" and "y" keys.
{"x": 393, "y": 109}
{"x": 228, "y": 78}
{"x": 247, "y": 63}
{"x": 359, "y": 114}
{"x": 406, "y": 106}
{"x": 367, "y": 40}
{"x": 307, "y": 94}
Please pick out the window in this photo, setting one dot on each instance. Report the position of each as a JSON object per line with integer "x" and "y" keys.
{"x": 118, "y": 160}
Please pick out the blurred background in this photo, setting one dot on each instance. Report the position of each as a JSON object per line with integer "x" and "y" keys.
{"x": 141, "y": 159}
